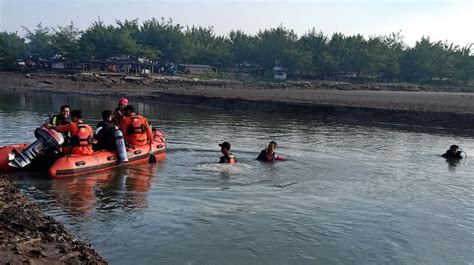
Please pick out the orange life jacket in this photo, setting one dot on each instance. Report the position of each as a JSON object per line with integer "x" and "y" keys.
{"x": 83, "y": 137}
{"x": 137, "y": 126}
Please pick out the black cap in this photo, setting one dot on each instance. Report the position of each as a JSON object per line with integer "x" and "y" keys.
{"x": 225, "y": 145}
{"x": 76, "y": 114}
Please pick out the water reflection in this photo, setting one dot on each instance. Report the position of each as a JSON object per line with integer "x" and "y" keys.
{"x": 453, "y": 163}
{"x": 105, "y": 191}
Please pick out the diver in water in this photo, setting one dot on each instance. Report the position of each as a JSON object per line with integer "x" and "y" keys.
{"x": 454, "y": 152}
{"x": 227, "y": 157}
{"x": 268, "y": 154}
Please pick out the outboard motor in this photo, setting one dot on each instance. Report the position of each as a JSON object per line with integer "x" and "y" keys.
{"x": 47, "y": 141}
{"x": 120, "y": 144}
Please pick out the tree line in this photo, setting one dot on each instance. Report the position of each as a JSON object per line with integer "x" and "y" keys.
{"x": 312, "y": 55}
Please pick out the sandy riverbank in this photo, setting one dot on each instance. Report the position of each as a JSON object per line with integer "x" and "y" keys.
{"x": 374, "y": 103}
{"x": 29, "y": 237}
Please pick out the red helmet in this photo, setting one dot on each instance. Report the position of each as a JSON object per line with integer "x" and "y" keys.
{"x": 123, "y": 101}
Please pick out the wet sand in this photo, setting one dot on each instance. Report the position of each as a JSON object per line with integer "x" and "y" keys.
{"x": 418, "y": 106}
{"x": 29, "y": 237}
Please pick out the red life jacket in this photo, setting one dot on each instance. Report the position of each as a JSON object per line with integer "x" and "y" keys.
{"x": 83, "y": 137}
{"x": 137, "y": 126}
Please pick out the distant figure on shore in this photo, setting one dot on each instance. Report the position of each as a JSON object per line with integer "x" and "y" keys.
{"x": 453, "y": 152}
{"x": 268, "y": 154}
{"x": 227, "y": 157}
{"x": 119, "y": 111}
{"x": 62, "y": 118}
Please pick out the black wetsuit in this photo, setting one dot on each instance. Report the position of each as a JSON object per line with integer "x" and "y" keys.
{"x": 263, "y": 156}
{"x": 105, "y": 137}
{"x": 450, "y": 155}
{"x": 226, "y": 158}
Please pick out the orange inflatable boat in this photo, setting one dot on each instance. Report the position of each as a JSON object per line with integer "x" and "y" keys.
{"x": 72, "y": 165}
{"x": 4, "y": 151}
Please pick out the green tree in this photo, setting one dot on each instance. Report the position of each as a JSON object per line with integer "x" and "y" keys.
{"x": 40, "y": 41}
{"x": 65, "y": 41}
{"x": 275, "y": 44}
{"x": 338, "y": 54}
{"x": 129, "y": 42}
{"x": 430, "y": 61}
{"x": 164, "y": 36}
{"x": 382, "y": 60}
{"x": 242, "y": 47}
{"x": 357, "y": 57}
{"x": 98, "y": 42}
{"x": 299, "y": 59}
{"x": 317, "y": 44}
{"x": 393, "y": 52}
{"x": 101, "y": 42}
{"x": 465, "y": 64}
{"x": 204, "y": 47}
{"x": 417, "y": 63}
{"x": 12, "y": 47}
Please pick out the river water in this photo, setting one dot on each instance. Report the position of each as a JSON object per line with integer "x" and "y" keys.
{"x": 348, "y": 194}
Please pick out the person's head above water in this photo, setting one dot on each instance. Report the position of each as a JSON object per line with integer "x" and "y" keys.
{"x": 454, "y": 152}
{"x": 227, "y": 157}
{"x": 271, "y": 147}
{"x": 225, "y": 147}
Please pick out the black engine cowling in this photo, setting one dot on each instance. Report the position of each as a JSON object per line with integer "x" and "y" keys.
{"x": 47, "y": 141}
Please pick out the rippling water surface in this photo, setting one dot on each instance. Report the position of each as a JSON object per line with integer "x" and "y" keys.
{"x": 347, "y": 194}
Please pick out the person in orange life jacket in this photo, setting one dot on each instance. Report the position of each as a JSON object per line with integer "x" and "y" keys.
{"x": 227, "y": 157}
{"x": 119, "y": 111}
{"x": 268, "y": 154}
{"x": 81, "y": 135}
{"x": 135, "y": 128}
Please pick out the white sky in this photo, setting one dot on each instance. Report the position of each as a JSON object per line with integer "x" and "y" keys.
{"x": 451, "y": 20}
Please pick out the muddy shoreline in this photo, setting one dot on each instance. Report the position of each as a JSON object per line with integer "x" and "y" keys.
{"x": 27, "y": 236}
{"x": 405, "y": 105}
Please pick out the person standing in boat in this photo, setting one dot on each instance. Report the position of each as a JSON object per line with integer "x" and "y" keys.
{"x": 227, "y": 157}
{"x": 268, "y": 154}
{"x": 135, "y": 128}
{"x": 81, "y": 135}
{"x": 119, "y": 111}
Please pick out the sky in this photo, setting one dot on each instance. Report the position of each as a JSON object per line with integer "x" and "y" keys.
{"x": 441, "y": 20}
